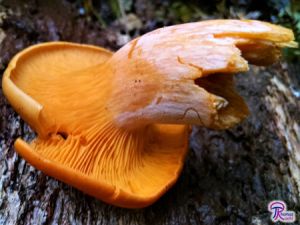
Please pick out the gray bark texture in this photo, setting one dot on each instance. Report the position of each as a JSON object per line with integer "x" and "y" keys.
{"x": 229, "y": 176}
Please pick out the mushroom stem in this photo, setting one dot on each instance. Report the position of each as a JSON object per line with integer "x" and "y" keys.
{"x": 183, "y": 74}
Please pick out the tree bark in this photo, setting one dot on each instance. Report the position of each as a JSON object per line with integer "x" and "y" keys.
{"x": 229, "y": 176}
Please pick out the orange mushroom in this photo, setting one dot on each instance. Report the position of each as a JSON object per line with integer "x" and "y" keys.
{"x": 115, "y": 125}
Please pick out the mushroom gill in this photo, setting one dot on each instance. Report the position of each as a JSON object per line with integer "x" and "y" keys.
{"x": 115, "y": 125}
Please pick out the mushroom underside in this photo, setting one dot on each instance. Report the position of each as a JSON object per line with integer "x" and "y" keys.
{"x": 82, "y": 135}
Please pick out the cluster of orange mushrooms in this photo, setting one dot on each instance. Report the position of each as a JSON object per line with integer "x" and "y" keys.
{"x": 116, "y": 125}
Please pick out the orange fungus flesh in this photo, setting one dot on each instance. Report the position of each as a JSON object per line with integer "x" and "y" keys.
{"x": 83, "y": 147}
{"x": 116, "y": 125}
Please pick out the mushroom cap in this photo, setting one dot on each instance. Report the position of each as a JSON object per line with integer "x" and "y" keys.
{"x": 78, "y": 142}
{"x": 106, "y": 122}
